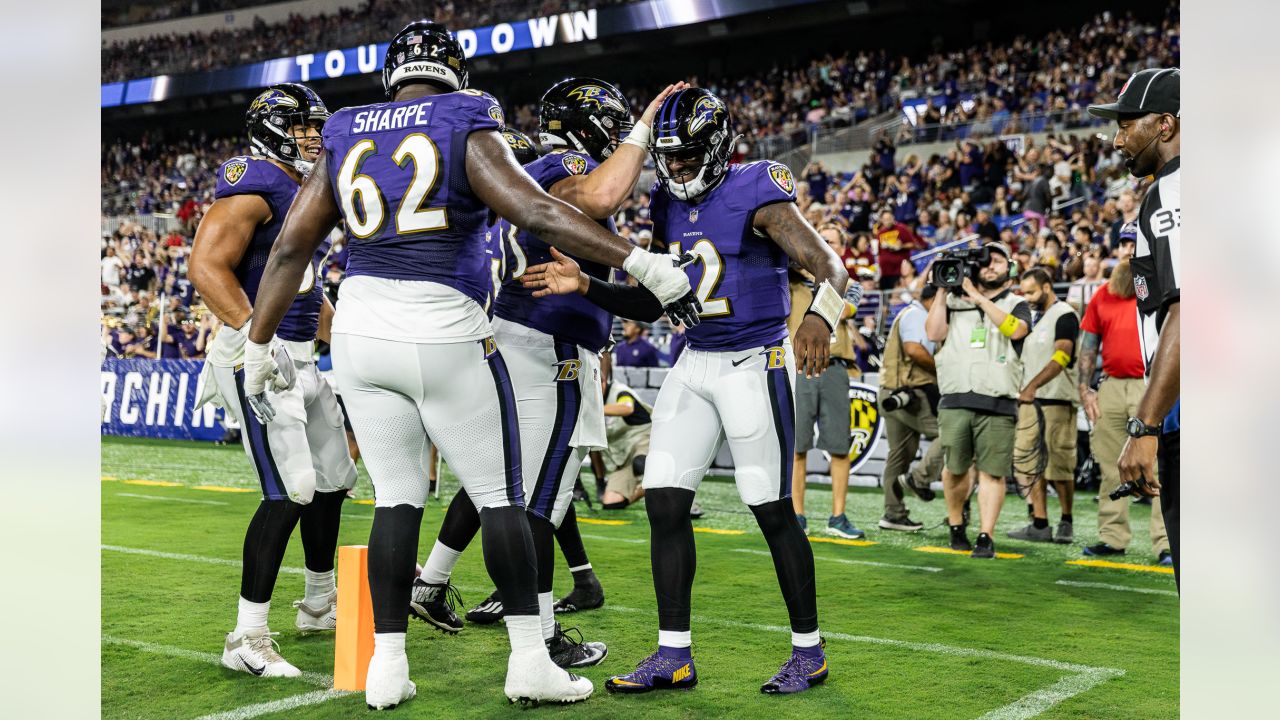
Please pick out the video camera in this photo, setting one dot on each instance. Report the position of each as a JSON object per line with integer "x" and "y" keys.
{"x": 952, "y": 267}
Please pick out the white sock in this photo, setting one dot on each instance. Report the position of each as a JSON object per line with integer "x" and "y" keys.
{"x": 388, "y": 644}
{"x": 580, "y": 568}
{"x": 547, "y": 615}
{"x": 439, "y": 565}
{"x": 318, "y": 584}
{"x": 251, "y": 616}
{"x": 808, "y": 639}
{"x": 675, "y": 638}
{"x": 525, "y": 632}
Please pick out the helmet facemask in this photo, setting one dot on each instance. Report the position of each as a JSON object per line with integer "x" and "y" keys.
{"x": 271, "y": 131}
{"x": 701, "y": 166}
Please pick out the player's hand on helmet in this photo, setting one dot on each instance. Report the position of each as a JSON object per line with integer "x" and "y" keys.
{"x": 561, "y": 276}
{"x": 264, "y": 371}
{"x": 661, "y": 273}
{"x": 652, "y": 111}
{"x": 812, "y": 346}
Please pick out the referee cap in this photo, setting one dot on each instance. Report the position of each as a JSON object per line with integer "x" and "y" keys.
{"x": 1154, "y": 90}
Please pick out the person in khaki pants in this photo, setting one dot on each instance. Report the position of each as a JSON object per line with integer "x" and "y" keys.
{"x": 1110, "y": 328}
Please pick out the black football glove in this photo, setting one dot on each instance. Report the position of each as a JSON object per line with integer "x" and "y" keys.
{"x": 685, "y": 310}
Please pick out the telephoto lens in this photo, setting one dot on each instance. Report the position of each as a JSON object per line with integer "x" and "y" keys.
{"x": 895, "y": 400}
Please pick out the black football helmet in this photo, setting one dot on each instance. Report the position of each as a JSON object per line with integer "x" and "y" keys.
{"x": 584, "y": 114}
{"x": 692, "y": 128}
{"x": 525, "y": 149}
{"x": 274, "y": 112}
{"x": 424, "y": 51}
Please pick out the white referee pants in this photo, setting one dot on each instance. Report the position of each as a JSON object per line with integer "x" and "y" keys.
{"x": 705, "y": 398}
{"x": 399, "y": 393}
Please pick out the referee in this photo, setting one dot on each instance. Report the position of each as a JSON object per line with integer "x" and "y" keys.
{"x": 1147, "y": 113}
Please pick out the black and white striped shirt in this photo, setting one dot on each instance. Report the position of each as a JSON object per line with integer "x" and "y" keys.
{"x": 1157, "y": 258}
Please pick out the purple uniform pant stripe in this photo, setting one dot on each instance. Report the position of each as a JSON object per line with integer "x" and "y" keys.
{"x": 510, "y": 428}
{"x": 784, "y": 421}
{"x": 260, "y": 448}
{"x": 556, "y": 458}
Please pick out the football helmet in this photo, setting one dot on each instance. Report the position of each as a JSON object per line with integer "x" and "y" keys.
{"x": 274, "y": 112}
{"x": 525, "y": 149}
{"x": 584, "y": 114}
{"x": 424, "y": 51}
{"x": 693, "y": 129}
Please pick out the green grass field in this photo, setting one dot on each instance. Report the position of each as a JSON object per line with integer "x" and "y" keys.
{"x": 910, "y": 634}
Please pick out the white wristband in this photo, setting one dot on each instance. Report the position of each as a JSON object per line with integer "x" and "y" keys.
{"x": 827, "y": 304}
{"x": 639, "y": 136}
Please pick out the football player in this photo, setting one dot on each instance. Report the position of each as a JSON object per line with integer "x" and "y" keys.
{"x": 552, "y": 347}
{"x": 301, "y": 459}
{"x": 414, "y": 179}
{"x": 736, "y": 378}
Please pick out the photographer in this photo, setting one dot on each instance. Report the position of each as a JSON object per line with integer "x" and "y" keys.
{"x": 1045, "y": 447}
{"x": 980, "y": 377}
{"x": 909, "y": 401}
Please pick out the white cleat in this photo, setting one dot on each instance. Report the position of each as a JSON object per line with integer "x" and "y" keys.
{"x": 533, "y": 678}
{"x": 256, "y": 653}
{"x": 388, "y": 682}
{"x": 317, "y": 615}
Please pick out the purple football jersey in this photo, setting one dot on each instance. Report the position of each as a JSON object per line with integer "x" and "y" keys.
{"x": 399, "y": 175}
{"x": 257, "y": 176}
{"x": 740, "y": 276}
{"x": 571, "y": 318}
{"x": 498, "y": 236}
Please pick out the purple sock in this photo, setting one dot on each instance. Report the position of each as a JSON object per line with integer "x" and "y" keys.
{"x": 673, "y": 653}
{"x": 809, "y": 652}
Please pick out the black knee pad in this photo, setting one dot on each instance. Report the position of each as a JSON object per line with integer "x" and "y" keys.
{"x": 637, "y": 465}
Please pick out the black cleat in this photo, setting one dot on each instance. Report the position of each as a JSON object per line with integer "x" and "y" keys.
{"x": 959, "y": 541}
{"x": 435, "y": 605}
{"x": 568, "y": 652}
{"x": 986, "y": 547}
{"x": 588, "y": 597}
{"x": 488, "y": 612}
{"x": 1101, "y": 550}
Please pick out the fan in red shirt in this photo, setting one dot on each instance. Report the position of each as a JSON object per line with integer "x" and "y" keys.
{"x": 895, "y": 242}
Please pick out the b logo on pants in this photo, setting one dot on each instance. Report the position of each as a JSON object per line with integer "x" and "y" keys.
{"x": 569, "y": 370}
{"x": 775, "y": 357}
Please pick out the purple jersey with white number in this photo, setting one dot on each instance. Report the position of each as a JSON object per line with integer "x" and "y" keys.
{"x": 257, "y": 176}
{"x": 571, "y": 318}
{"x": 398, "y": 171}
{"x": 497, "y": 235}
{"x": 740, "y": 275}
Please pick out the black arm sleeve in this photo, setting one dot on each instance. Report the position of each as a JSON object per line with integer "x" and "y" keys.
{"x": 631, "y": 302}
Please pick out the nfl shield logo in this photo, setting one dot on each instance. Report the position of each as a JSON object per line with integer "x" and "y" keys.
{"x": 234, "y": 171}
{"x": 1140, "y": 287}
{"x": 693, "y": 215}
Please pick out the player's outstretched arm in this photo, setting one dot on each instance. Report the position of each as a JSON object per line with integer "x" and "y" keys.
{"x": 510, "y": 193}
{"x": 783, "y": 223}
{"x": 313, "y": 214}
{"x": 602, "y": 191}
{"x": 562, "y": 276}
{"x": 220, "y": 243}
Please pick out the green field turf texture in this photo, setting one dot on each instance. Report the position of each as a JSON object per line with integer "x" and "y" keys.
{"x": 1025, "y": 642}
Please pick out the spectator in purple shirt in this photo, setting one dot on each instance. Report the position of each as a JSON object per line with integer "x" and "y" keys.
{"x": 635, "y": 350}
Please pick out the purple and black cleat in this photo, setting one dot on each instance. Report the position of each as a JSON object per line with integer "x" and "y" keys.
{"x": 656, "y": 672}
{"x": 805, "y": 668}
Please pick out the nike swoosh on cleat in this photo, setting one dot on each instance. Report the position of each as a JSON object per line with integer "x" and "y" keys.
{"x": 620, "y": 681}
{"x": 255, "y": 670}
{"x": 736, "y": 363}
{"x": 821, "y": 669}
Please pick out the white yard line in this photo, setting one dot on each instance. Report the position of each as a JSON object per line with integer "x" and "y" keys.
{"x": 190, "y": 558}
{"x": 1123, "y": 588}
{"x": 248, "y": 711}
{"x": 634, "y": 541}
{"x": 169, "y": 499}
{"x": 872, "y": 563}
{"x": 1082, "y": 678}
{"x": 266, "y": 708}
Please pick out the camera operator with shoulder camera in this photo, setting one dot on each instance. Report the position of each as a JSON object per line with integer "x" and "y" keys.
{"x": 1045, "y": 446}
{"x": 909, "y": 400}
{"x": 980, "y": 378}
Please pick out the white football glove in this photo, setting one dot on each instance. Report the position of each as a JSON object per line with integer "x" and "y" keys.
{"x": 262, "y": 371}
{"x": 661, "y": 273}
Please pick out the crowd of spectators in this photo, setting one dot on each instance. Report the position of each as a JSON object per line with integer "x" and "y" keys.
{"x": 372, "y": 22}
{"x": 1058, "y": 203}
{"x": 123, "y": 14}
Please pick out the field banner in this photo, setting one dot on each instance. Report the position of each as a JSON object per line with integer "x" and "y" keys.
{"x": 156, "y": 398}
